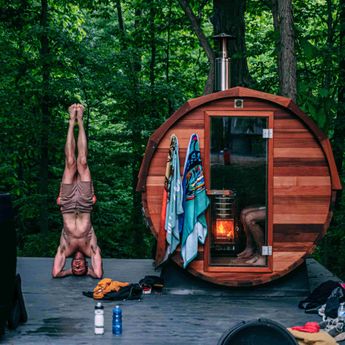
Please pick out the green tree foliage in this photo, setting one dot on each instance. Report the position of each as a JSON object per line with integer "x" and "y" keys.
{"x": 130, "y": 78}
{"x": 131, "y": 63}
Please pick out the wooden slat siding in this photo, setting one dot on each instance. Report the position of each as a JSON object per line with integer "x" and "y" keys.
{"x": 296, "y": 162}
{"x": 301, "y": 171}
{"x": 289, "y": 124}
{"x": 301, "y": 180}
{"x": 155, "y": 219}
{"x": 291, "y": 134}
{"x": 147, "y": 215}
{"x": 293, "y": 246}
{"x": 293, "y": 153}
{"x": 296, "y": 200}
{"x": 336, "y": 183}
{"x": 288, "y": 228}
{"x": 199, "y": 257}
{"x": 300, "y": 208}
{"x": 294, "y": 218}
{"x": 308, "y": 142}
{"x": 303, "y": 191}
{"x": 234, "y": 93}
{"x": 296, "y": 236}
{"x": 291, "y": 181}
{"x": 183, "y": 135}
{"x": 283, "y": 262}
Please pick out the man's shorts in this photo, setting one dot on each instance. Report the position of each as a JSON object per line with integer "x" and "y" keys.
{"x": 76, "y": 197}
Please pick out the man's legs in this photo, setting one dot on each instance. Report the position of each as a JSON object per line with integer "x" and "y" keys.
{"x": 249, "y": 249}
{"x": 70, "y": 161}
{"x": 82, "y": 166}
{"x": 257, "y": 233}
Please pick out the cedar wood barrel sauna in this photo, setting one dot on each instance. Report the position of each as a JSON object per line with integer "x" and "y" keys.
{"x": 258, "y": 150}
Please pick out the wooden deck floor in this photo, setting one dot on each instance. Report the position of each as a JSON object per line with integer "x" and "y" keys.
{"x": 60, "y": 314}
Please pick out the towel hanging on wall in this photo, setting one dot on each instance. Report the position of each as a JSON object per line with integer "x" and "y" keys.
{"x": 193, "y": 224}
{"x": 169, "y": 236}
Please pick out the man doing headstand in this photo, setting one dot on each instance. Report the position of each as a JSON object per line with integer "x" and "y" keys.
{"x": 76, "y": 199}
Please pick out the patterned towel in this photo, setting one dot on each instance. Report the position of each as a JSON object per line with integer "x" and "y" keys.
{"x": 195, "y": 203}
{"x": 169, "y": 236}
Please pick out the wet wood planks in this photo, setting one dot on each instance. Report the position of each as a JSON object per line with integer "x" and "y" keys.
{"x": 59, "y": 314}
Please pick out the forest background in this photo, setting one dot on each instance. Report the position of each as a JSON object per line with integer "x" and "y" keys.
{"x": 132, "y": 63}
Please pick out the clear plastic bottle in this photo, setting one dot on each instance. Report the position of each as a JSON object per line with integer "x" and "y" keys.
{"x": 99, "y": 318}
{"x": 117, "y": 320}
{"x": 341, "y": 313}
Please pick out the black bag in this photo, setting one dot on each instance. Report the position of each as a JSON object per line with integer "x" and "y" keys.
{"x": 333, "y": 302}
{"x": 18, "y": 312}
{"x": 259, "y": 332}
{"x": 319, "y": 295}
{"x": 154, "y": 282}
{"x": 129, "y": 292}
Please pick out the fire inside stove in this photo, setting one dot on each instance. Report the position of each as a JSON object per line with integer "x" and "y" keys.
{"x": 225, "y": 229}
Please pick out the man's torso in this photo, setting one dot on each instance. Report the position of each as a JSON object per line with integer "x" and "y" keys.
{"x": 77, "y": 233}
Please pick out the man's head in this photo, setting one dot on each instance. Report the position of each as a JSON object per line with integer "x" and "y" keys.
{"x": 79, "y": 264}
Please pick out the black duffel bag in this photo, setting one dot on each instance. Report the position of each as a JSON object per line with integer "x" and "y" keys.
{"x": 257, "y": 332}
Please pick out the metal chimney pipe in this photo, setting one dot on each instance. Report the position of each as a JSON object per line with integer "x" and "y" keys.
{"x": 222, "y": 64}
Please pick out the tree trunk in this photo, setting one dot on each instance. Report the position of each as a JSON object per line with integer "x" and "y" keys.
{"x": 44, "y": 56}
{"x": 328, "y": 65}
{"x": 123, "y": 42}
{"x": 152, "y": 34}
{"x": 339, "y": 125}
{"x": 209, "y": 87}
{"x": 135, "y": 233}
{"x": 167, "y": 56}
{"x": 228, "y": 17}
{"x": 283, "y": 24}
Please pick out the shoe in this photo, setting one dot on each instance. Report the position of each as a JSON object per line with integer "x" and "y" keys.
{"x": 340, "y": 337}
{"x": 334, "y": 327}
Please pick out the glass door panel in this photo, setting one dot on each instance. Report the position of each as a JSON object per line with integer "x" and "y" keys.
{"x": 238, "y": 190}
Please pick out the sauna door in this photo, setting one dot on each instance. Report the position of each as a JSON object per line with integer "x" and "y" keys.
{"x": 238, "y": 169}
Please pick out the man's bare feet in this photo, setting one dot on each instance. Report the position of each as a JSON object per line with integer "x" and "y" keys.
{"x": 80, "y": 112}
{"x": 247, "y": 253}
{"x": 73, "y": 112}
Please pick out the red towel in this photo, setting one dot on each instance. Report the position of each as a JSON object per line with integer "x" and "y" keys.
{"x": 310, "y": 327}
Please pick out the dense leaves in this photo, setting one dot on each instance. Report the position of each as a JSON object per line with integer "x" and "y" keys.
{"x": 132, "y": 63}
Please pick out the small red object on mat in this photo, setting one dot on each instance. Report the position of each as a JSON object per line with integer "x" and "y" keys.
{"x": 310, "y": 327}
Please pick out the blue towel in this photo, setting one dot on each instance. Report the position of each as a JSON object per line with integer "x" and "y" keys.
{"x": 195, "y": 203}
{"x": 174, "y": 201}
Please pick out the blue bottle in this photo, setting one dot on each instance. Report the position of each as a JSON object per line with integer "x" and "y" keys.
{"x": 117, "y": 320}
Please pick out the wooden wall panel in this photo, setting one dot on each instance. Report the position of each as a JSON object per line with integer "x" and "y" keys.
{"x": 301, "y": 189}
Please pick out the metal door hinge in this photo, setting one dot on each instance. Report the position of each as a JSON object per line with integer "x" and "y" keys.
{"x": 267, "y": 133}
{"x": 266, "y": 250}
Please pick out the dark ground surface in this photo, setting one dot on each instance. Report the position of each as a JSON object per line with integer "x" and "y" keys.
{"x": 188, "y": 312}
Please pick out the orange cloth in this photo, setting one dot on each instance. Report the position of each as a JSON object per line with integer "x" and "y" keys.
{"x": 105, "y": 286}
{"x": 319, "y": 338}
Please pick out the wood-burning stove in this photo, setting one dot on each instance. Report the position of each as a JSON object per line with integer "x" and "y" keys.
{"x": 225, "y": 230}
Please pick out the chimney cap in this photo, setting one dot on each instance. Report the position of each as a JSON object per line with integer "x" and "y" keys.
{"x": 223, "y": 35}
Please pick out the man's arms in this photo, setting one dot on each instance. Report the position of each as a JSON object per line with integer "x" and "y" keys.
{"x": 59, "y": 264}
{"x": 96, "y": 271}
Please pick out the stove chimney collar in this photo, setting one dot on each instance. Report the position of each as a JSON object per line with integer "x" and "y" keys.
{"x": 222, "y": 63}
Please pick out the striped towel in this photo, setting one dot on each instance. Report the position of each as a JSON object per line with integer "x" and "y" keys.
{"x": 195, "y": 203}
{"x": 169, "y": 235}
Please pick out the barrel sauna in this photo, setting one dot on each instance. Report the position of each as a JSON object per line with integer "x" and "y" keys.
{"x": 258, "y": 151}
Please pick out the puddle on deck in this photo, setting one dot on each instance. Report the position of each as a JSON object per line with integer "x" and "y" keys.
{"x": 60, "y": 326}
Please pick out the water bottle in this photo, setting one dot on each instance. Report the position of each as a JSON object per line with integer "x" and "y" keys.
{"x": 117, "y": 320}
{"x": 99, "y": 318}
{"x": 341, "y": 313}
